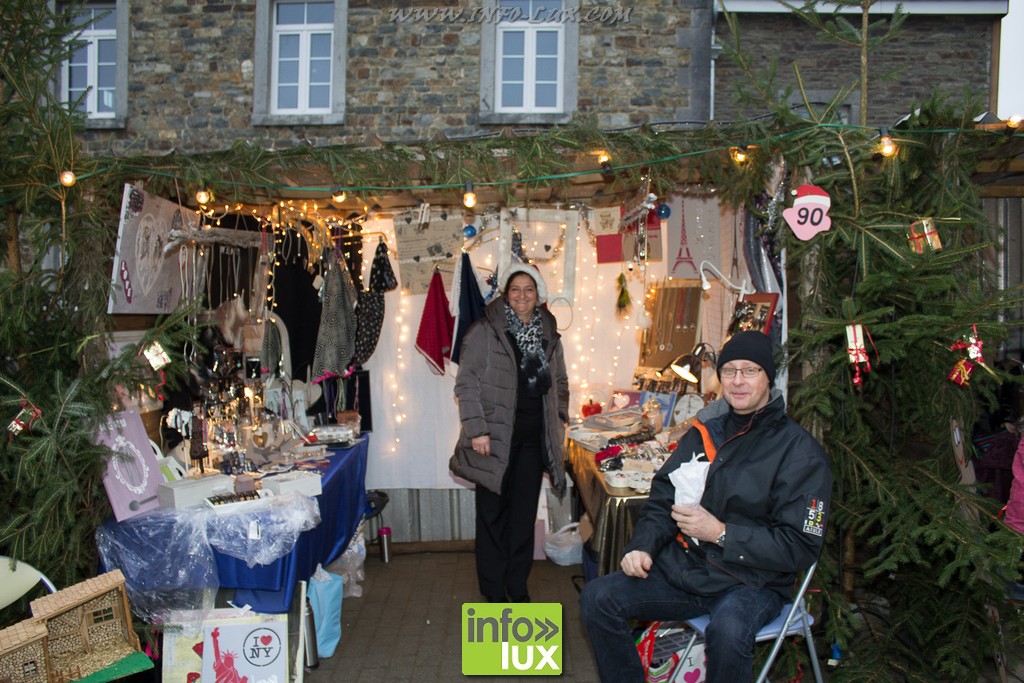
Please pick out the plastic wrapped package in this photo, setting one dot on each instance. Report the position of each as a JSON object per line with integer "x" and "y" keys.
{"x": 350, "y": 564}
{"x": 264, "y": 531}
{"x": 565, "y": 546}
{"x": 166, "y": 560}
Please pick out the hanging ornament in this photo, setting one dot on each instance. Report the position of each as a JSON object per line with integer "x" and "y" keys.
{"x": 423, "y": 219}
{"x": 974, "y": 347}
{"x": 857, "y": 352}
{"x": 809, "y": 214}
{"x": 469, "y": 231}
{"x": 663, "y": 211}
{"x": 622, "y": 301}
{"x": 517, "y": 246}
{"x": 158, "y": 359}
{"x": 924, "y": 232}
{"x": 961, "y": 372}
{"x": 156, "y": 355}
{"x": 28, "y": 414}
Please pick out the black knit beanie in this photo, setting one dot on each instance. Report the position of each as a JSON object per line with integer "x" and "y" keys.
{"x": 753, "y": 346}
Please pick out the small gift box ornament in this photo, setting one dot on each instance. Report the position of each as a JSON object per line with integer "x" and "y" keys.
{"x": 857, "y": 352}
{"x": 924, "y": 232}
{"x": 24, "y": 419}
{"x": 855, "y": 348}
{"x": 961, "y": 372}
{"x": 156, "y": 355}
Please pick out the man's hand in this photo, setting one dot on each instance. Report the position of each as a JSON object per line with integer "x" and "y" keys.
{"x": 696, "y": 522}
{"x": 636, "y": 563}
{"x": 482, "y": 444}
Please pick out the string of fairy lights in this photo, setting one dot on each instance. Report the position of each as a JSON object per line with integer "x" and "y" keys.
{"x": 595, "y": 380}
{"x": 320, "y": 225}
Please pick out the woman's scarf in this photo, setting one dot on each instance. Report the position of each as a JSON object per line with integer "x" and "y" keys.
{"x": 534, "y": 365}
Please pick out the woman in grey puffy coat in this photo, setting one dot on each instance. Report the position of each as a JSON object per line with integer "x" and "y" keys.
{"x": 513, "y": 396}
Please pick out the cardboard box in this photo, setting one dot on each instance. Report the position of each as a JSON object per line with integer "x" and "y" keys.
{"x": 186, "y": 493}
{"x": 296, "y": 481}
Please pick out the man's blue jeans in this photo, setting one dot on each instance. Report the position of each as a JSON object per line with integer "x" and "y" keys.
{"x": 608, "y": 603}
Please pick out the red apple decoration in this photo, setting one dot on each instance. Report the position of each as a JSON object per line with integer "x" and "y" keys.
{"x": 590, "y": 408}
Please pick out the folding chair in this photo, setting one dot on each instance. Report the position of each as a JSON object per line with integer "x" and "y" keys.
{"x": 793, "y": 620}
{"x": 18, "y": 578}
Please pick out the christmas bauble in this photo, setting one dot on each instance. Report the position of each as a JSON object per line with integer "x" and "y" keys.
{"x": 469, "y": 231}
{"x": 663, "y": 211}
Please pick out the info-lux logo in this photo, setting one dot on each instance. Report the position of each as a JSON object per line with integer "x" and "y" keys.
{"x": 512, "y": 639}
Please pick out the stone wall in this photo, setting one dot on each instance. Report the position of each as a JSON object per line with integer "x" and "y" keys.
{"x": 191, "y": 74}
{"x": 952, "y": 53}
{"x": 191, "y": 71}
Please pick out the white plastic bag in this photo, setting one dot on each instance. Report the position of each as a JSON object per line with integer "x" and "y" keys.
{"x": 565, "y": 546}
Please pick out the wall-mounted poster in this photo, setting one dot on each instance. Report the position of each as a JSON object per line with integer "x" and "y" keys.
{"x": 693, "y": 234}
{"x": 424, "y": 246}
{"x": 145, "y": 279}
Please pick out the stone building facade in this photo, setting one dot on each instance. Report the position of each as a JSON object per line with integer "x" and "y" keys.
{"x": 194, "y": 74}
{"x": 948, "y": 52}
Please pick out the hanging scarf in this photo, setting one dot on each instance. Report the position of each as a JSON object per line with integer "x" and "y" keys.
{"x": 466, "y": 303}
{"x": 336, "y": 337}
{"x": 534, "y": 365}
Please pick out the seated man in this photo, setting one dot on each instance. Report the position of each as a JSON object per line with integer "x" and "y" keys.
{"x": 760, "y": 521}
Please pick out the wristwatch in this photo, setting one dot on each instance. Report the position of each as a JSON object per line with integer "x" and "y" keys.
{"x": 720, "y": 541}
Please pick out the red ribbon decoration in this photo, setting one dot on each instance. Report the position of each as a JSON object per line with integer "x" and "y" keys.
{"x": 28, "y": 414}
{"x": 857, "y": 351}
{"x": 961, "y": 373}
{"x": 163, "y": 381}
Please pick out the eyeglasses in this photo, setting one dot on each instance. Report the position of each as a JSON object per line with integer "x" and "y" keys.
{"x": 749, "y": 373}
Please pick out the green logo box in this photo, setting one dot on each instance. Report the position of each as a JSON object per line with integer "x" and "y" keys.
{"x": 511, "y": 639}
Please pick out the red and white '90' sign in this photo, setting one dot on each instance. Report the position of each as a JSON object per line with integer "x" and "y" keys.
{"x": 809, "y": 214}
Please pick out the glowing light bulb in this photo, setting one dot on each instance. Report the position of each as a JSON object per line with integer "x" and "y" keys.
{"x": 67, "y": 178}
{"x": 886, "y": 147}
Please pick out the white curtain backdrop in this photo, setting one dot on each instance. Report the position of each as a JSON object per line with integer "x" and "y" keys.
{"x": 415, "y": 420}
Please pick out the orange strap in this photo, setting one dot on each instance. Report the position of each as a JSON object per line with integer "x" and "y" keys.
{"x": 710, "y": 451}
{"x": 709, "y": 445}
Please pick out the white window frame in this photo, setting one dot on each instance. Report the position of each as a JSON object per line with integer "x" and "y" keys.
{"x": 491, "y": 108}
{"x": 530, "y": 32}
{"x": 305, "y": 33}
{"x": 265, "y": 109}
{"x": 95, "y": 118}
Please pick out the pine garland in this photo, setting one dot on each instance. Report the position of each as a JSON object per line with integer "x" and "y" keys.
{"x": 910, "y": 602}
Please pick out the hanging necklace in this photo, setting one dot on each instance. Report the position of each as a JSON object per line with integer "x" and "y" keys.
{"x": 664, "y": 324}
{"x": 680, "y": 307}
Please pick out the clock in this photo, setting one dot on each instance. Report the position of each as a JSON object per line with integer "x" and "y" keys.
{"x": 686, "y": 407}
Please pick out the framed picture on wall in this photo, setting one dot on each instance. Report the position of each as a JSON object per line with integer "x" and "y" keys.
{"x": 754, "y": 312}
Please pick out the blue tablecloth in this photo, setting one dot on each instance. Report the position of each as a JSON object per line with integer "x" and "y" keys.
{"x": 269, "y": 588}
{"x": 163, "y": 565}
